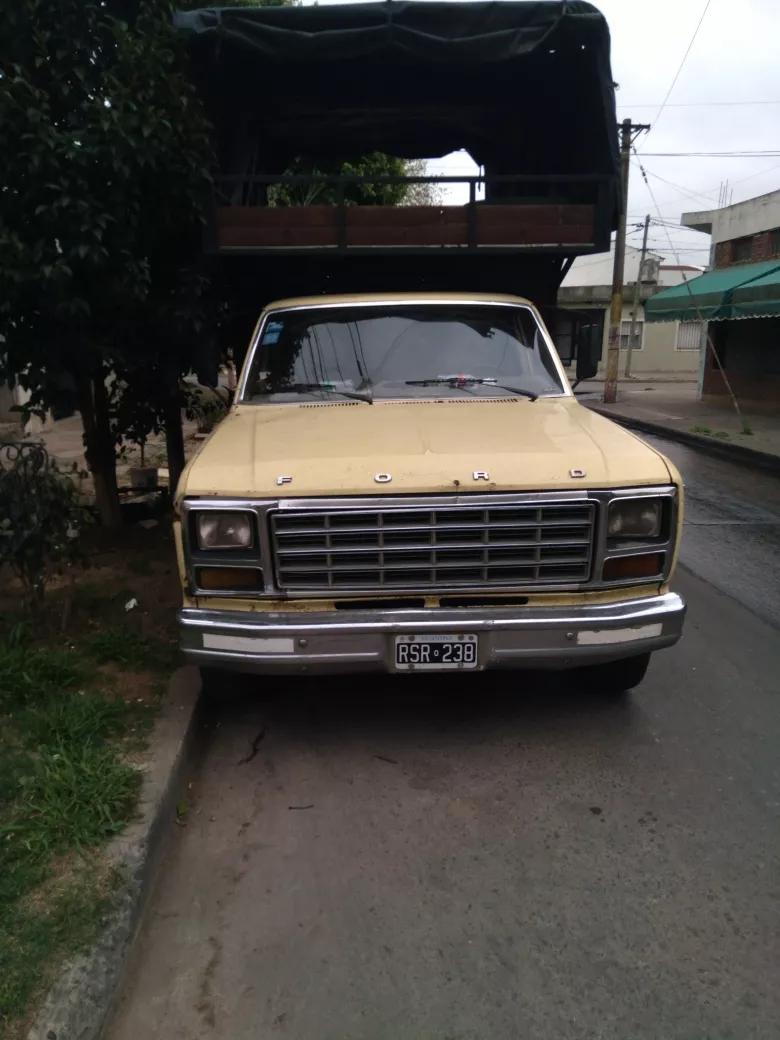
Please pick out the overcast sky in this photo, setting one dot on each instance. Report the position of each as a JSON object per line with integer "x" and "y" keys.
{"x": 735, "y": 57}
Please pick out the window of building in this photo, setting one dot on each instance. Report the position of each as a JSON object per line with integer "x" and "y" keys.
{"x": 625, "y": 332}
{"x": 688, "y": 335}
{"x": 774, "y": 242}
{"x": 741, "y": 250}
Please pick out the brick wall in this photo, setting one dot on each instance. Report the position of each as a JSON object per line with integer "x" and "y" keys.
{"x": 748, "y": 352}
{"x": 763, "y": 246}
{"x": 723, "y": 254}
{"x": 749, "y": 389}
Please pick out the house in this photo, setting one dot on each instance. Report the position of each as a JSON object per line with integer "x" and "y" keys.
{"x": 739, "y": 298}
{"x": 585, "y": 298}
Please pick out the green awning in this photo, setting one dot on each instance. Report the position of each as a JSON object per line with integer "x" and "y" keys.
{"x": 759, "y": 298}
{"x": 745, "y": 291}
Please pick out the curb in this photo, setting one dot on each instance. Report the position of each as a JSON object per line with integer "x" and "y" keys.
{"x": 80, "y": 1002}
{"x": 733, "y": 452}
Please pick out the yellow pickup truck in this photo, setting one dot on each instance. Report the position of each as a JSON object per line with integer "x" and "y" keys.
{"x": 406, "y": 483}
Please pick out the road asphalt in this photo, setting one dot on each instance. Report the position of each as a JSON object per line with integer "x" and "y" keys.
{"x": 501, "y": 857}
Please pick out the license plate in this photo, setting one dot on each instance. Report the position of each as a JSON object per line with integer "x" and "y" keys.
{"x": 439, "y": 653}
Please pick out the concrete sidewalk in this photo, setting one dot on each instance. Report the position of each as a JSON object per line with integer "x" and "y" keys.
{"x": 672, "y": 410}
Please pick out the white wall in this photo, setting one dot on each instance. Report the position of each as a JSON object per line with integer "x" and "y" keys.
{"x": 597, "y": 269}
{"x": 737, "y": 221}
{"x": 658, "y": 354}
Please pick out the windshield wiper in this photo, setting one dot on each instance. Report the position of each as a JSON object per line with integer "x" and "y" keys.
{"x": 326, "y": 388}
{"x": 465, "y": 381}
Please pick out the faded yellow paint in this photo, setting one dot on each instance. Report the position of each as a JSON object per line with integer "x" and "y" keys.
{"x": 415, "y": 297}
{"x": 177, "y": 539}
{"x": 430, "y": 446}
{"x": 677, "y": 480}
{"x": 336, "y": 447}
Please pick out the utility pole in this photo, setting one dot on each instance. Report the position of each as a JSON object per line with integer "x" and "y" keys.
{"x": 637, "y": 290}
{"x": 616, "y": 310}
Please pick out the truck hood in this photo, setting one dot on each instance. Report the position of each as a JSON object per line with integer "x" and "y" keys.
{"x": 338, "y": 448}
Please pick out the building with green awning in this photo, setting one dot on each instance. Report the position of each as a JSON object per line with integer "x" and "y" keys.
{"x": 739, "y": 300}
{"x": 745, "y": 291}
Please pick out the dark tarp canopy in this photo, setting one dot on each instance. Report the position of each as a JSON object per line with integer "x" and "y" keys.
{"x": 745, "y": 291}
{"x": 524, "y": 87}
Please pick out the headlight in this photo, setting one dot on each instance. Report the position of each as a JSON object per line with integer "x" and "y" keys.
{"x": 224, "y": 530}
{"x": 635, "y": 518}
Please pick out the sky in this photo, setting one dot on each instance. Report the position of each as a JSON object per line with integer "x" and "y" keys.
{"x": 735, "y": 57}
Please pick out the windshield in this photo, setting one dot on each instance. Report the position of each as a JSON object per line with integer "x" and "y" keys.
{"x": 400, "y": 351}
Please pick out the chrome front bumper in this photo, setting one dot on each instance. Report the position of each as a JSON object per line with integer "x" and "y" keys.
{"x": 364, "y": 640}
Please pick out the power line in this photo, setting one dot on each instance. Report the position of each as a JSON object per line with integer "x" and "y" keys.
{"x": 704, "y": 104}
{"x": 686, "y": 191}
{"x": 767, "y": 153}
{"x": 679, "y": 70}
{"x": 750, "y": 176}
{"x": 705, "y": 195}
{"x": 710, "y": 191}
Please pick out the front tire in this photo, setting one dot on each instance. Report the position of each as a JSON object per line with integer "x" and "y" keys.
{"x": 616, "y": 678}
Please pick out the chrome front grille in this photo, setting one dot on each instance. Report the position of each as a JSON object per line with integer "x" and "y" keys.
{"x": 434, "y": 548}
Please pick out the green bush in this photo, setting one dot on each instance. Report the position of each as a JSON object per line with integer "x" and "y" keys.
{"x": 42, "y": 516}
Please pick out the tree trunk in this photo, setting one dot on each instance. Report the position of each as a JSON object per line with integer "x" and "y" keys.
{"x": 174, "y": 436}
{"x": 99, "y": 447}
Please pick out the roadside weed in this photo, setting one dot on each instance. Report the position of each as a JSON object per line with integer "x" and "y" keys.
{"x": 26, "y": 671}
{"x": 72, "y": 797}
{"x": 722, "y": 435}
{"x": 80, "y": 682}
{"x": 121, "y": 644}
{"x": 76, "y": 718}
{"x": 64, "y": 790}
{"x": 28, "y": 937}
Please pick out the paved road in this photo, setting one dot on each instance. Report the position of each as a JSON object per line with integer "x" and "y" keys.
{"x": 732, "y": 529}
{"x": 498, "y": 860}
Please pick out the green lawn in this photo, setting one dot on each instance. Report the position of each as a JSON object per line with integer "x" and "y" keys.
{"x": 74, "y": 709}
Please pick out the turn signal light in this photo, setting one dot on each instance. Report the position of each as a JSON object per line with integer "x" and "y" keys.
{"x": 627, "y": 568}
{"x": 229, "y": 579}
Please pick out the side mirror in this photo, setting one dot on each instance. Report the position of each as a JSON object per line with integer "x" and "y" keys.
{"x": 589, "y": 344}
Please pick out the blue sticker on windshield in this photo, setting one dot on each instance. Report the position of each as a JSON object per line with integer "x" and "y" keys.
{"x": 273, "y": 331}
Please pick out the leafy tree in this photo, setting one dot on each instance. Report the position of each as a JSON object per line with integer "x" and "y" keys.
{"x": 105, "y": 176}
{"x": 376, "y": 164}
{"x": 421, "y": 194}
{"x": 105, "y": 165}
